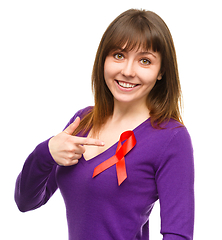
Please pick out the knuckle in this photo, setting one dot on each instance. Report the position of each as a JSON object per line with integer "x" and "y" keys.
{"x": 82, "y": 149}
{"x": 70, "y": 161}
{"x": 74, "y": 162}
{"x": 71, "y": 148}
{"x": 66, "y": 163}
{"x": 86, "y": 141}
{"x": 78, "y": 156}
{"x": 70, "y": 155}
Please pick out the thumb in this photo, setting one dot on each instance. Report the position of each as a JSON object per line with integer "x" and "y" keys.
{"x": 72, "y": 127}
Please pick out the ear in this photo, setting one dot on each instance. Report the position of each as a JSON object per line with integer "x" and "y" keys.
{"x": 160, "y": 75}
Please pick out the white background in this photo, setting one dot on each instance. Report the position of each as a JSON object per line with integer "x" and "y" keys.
{"x": 47, "y": 49}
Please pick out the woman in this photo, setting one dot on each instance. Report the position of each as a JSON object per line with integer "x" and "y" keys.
{"x": 127, "y": 151}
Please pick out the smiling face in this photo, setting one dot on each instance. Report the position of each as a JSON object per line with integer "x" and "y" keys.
{"x": 131, "y": 75}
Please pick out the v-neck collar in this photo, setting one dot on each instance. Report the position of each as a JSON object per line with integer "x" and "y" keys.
{"x": 112, "y": 146}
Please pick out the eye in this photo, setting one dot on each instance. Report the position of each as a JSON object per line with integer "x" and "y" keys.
{"x": 145, "y": 61}
{"x": 118, "y": 56}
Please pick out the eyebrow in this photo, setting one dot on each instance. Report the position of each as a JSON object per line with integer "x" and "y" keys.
{"x": 144, "y": 53}
{"x": 139, "y": 53}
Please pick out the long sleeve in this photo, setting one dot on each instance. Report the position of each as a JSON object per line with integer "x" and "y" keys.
{"x": 175, "y": 183}
{"x": 36, "y": 183}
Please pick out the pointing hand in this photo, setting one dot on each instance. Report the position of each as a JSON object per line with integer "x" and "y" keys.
{"x": 67, "y": 149}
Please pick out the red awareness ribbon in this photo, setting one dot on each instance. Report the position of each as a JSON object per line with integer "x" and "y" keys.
{"x": 118, "y": 158}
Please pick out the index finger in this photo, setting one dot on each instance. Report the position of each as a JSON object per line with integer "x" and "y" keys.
{"x": 89, "y": 141}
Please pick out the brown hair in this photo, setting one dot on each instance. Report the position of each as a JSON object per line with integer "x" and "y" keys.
{"x": 134, "y": 29}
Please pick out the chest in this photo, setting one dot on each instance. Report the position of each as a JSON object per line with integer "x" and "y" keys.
{"x": 110, "y": 136}
{"x": 139, "y": 168}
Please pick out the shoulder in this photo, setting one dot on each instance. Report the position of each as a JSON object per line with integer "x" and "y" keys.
{"x": 81, "y": 113}
{"x": 171, "y": 124}
{"x": 167, "y": 130}
{"x": 176, "y": 135}
{"x": 177, "y": 146}
{"x": 174, "y": 128}
{"x": 177, "y": 130}
{"x": 171, "y": 136}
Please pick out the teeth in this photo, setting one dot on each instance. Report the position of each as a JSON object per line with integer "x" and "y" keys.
{"x": 126, "y": 85}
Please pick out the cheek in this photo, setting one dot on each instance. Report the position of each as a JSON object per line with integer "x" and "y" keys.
{"x": 107, "y": 69}
{"x": 147, "y": 77}
{"x": 110, "y": 71}
{"x": 107, "y": 73}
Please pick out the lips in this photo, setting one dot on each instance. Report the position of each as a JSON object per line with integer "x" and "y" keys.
{"x": 126, "y": 85}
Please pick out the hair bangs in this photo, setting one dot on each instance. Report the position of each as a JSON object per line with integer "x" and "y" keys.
{"x": 134, "y": 34}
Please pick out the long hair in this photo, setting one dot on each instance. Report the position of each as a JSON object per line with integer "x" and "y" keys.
{"x": 136, "y": 29}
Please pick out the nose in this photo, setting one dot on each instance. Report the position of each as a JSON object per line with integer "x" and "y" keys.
{"x": 128, "y": 69}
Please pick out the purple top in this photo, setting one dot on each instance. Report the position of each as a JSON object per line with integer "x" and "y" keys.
{"x": 160, "y": 166}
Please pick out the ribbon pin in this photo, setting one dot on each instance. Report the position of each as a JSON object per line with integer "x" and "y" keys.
{"x": 118, "y": 158}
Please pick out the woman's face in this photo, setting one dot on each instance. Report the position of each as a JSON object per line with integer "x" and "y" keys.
{"x": 130, "y": 76}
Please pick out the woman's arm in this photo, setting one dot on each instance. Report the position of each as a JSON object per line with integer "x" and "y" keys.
{"x": 175, "y": 183}
{"x": 36, "y": 183}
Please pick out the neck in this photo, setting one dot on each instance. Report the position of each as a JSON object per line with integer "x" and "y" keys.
{"x": 123, "y": 111}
